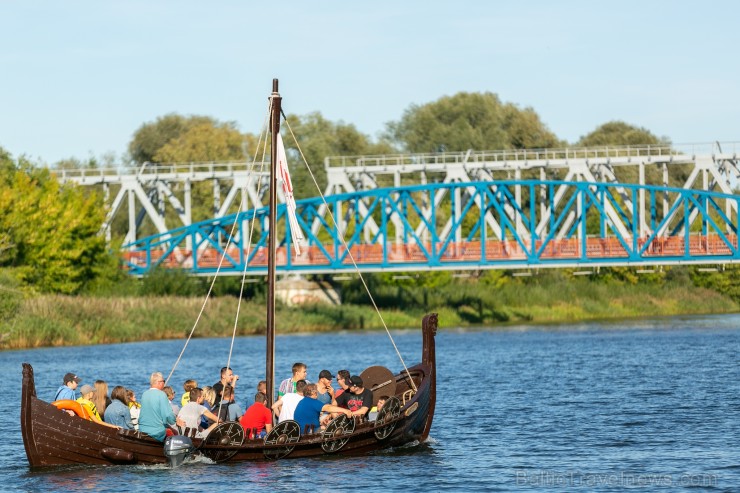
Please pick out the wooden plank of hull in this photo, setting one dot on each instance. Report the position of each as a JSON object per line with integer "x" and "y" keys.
{"x": 62, "y": 439}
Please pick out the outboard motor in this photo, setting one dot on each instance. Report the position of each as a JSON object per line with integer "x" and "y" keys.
{"x": 177, "y": 448}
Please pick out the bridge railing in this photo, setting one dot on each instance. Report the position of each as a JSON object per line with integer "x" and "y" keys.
{"x": 149, "y": 170}
{"x": 534, "y": 154}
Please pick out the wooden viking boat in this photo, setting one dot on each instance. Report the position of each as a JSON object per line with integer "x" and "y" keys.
{"x": 54, "y": 438}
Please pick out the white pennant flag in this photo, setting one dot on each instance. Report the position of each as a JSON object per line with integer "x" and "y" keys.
{"x": 284, "y": 176}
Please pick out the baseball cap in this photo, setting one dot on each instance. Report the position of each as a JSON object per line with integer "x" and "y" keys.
{"x": 326, "y": 374}
{"x": 85, "y": 389}
{"x": 356, "y": 381}
{"x": 71, "y": 377}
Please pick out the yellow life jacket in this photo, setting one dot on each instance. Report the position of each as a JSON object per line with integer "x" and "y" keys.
{"x": 89, "y": 407}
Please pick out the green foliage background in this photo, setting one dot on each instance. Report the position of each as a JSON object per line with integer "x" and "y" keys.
{"x": 61, "y": 284}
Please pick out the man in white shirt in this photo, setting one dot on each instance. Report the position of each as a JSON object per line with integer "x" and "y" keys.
{"x": 285, "y": 406}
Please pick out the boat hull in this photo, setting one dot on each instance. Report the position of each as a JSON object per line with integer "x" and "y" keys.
{"x": 54, "y": 438}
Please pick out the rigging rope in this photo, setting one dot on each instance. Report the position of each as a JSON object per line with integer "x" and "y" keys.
{"x": 249, "y": 244}
{"x": 221, "y": 260}
{"x": 249, "y": 237}
{"x": 340, "y": 234}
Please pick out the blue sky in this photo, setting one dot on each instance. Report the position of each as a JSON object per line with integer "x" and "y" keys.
{"x": 77, "y": 78}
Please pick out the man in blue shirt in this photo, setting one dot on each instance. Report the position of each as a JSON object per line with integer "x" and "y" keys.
{"x": 156, "y": 412}
{"x": 67, "y": 391}
{"x": 309, "y": 409}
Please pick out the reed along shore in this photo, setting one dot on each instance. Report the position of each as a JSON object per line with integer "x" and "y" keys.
{"x": 53, "y": 320}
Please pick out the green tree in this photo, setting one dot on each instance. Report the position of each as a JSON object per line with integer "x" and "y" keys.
{"x": 203, "y": 142}
{"x": 150, "y": 137}
{"x": 469, "y": 121}
{"x": 319, "y": 138}
{"x": 49, "y": 231}
{"x": 620, "y": 133}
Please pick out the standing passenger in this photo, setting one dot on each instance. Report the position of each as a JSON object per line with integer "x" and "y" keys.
{"x": 227, "y": 378}
{"x": 289, "y": 384}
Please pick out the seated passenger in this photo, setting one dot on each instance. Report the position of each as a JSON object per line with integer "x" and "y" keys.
{"x": 262, "y": 386}
{"x": 156, "y": 412}
{"x": 373, "y": 414}
{"x": 187, "y": 386}
{"x": 343, "y": 382}
{"x": 357, "y": 398}
{"x": 192, "y": 413}
{"x": 87, "y": 393}
{"x": 209, "y": 397}
{"x": 118, "y": 413}
{"x": 67, "y": 391}
{"x": 170, "y": 392}
{"x": 228, "y": 409}
{"x": 285, "y": 406}
{"x": 257, "y": 417}
{"x": 309, "y": 409}
{"x": 101, "y": 398}
{"x": 134, "y": 407}
{"x": 326, "y": 391}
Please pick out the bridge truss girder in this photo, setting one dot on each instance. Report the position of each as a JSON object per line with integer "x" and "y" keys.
{"x": 447, "y": 226}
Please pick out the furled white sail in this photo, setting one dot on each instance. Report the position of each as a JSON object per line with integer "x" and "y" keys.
{"x": 284, "y": 177}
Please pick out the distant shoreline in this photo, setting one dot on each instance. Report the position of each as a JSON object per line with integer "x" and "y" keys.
{"x": 54, "y": 320}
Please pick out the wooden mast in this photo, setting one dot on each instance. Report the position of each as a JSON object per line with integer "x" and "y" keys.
{"x": 275, "y": 131}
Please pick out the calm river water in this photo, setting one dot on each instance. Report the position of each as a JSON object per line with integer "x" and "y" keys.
{"x": 649, "y": 404}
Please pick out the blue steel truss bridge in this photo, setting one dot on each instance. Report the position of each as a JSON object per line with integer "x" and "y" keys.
{"x": 606, "y": 206}
{"x": 498, "y": 224}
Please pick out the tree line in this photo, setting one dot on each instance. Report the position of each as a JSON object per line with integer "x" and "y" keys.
{"x": 49, "y": 233}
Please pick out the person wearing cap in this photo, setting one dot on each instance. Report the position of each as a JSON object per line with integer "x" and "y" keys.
{"x": 67, "y": 391}
{"x": 325, "y": 390}
{"x": 357, "y": 398}
{"x": 86, "y": 395}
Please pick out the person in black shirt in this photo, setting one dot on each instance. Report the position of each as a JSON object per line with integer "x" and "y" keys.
{"x": 227, "y": 378}
{"x": 357, "y": 398}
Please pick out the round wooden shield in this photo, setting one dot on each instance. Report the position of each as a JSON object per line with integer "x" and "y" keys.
{"x": 337, "y": 433}
{"x": 286, "y": 434}
{"x": 385, "y": 422}
{"x": 380, "y": 380}
{"x": 226, "y": 434}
